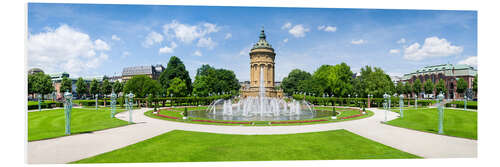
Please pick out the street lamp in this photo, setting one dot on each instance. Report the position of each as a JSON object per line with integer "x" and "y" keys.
{"x": 441, "y": 112}
{"x": 416, "y": 101}
{"x": 39, "y": 102}
{"x": 465, "y": 102}
{"x": 401, "y": 105}
{"x": 385, "y": 105}
{"x": 113, "y": 104}
{"x": 67, "y": 111}
{"x": 389, "y": 96}
{"x": 96, "y": 96}
{"x": 130, "y": 103}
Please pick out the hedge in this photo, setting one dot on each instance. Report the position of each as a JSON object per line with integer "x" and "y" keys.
{"x": 44, "y": 104}
{"x": 460, "y": 104}
{"x": 358, "y": 102}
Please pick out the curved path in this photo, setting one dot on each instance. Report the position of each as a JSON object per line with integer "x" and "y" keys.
{"x": 76, "y": 147}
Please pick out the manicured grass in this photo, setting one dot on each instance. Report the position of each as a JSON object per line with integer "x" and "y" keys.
{"x": 457, "y": 123}
{"x": 51, "y": 123}
{"x": 186, "y": 146}
{"x": 177, "y": 112}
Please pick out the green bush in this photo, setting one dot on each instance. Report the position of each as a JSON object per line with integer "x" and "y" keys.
{"x": 460, "y": 104}
{"x": 44, "y": 104}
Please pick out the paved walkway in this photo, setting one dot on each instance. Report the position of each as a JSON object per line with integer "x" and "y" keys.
{"x": 76, "y": 147}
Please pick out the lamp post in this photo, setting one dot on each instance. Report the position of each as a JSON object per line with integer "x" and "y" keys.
{"x": 349, "y": 98}
{"x": 67, "y": 111}
{"x": 369, "y": 100}
{"x": 385, "y": 105}
{"x": 39, "y": 102}
{"x": 130, "y": 103}
{"x": 113, "y": 104}
{"x": 96, "y": 96}
{"x": 389, "y": 104}
{"x": 441, "y": 112}
{"x": 465, "y": 102}
{"x": 401, "y": 103}
{"x": 415, "y": 101}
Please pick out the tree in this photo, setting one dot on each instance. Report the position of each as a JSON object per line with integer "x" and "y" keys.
{"x": 400, "y": 89}
{"x": 417, "y": 86}
{"x": 375, "y": 81}
{"x": 42, "y": 84}
{"x": 177, "y": 88}
{"x": 117, "y": 87}
{"x": 65, "y": 85}
{"x": 441, "y": 86}
{"x": 335, "y": 80}
{"x": 408, "y": 88}
{"x": 94, "y": 87}
{"x": 428, "y": 87}
{"x": 462, "y": 86}
{"x": 209, "y": 79}
{"x": 141, "y": 85}
{"x": 106, "y": 87}
{"x": 290, "y": 84}
{"x": 175, "y": 69}
{"x": 81, "y": 87}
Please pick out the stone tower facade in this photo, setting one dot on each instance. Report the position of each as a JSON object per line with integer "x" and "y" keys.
{"x": 262, "y": 63}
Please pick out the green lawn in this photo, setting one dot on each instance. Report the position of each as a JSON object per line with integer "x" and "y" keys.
{"x": 186, "y": 146}
{"x": 457, "y": 123}
{"x": 51, "y": 123}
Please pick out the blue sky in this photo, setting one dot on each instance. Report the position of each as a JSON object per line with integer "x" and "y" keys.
{"x": 90, "y": 40}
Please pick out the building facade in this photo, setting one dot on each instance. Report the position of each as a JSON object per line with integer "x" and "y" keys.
{"x": 262, "y": 73}
{"x": 152, "y": 71}
{"x": 449, "y": 73}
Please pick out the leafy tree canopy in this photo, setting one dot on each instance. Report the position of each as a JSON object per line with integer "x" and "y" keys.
{"x": 65, "y": 85}
{"x": 290, "y": 84}
{"x": 175, "y": 69}
{"x": 142, "y": 85}
{"x": 462, "y": 85}
{"x": 211, "y": 80}
{"x": 177, "y": 88}
{"x": 81, "y": 87}
{"x": 428, "y": 86}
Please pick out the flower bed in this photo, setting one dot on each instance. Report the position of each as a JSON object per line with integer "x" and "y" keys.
{"x": 291, "y": 122}
{"x": 210, "y": 121}
{"x": 353, "y": 116}
{"x": 166, "y": 116}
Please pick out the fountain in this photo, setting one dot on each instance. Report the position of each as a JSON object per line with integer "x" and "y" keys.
{"x": 260, "y": 108}
{"x": 260, "y": 101}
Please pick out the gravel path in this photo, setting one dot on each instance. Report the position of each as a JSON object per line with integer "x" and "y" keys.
{"x": 76, "y": 147}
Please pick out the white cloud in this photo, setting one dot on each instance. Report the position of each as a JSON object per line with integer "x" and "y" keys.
{"x": 125, "y": 54}
{"x": 228, "y": 35}
{"x": 167, "y": 49}
{"x": 114, "y": 37}
{"x": 285, "y": 40}
{"x": 152, "y": 38}
{"x": 286, "y": 25}
{"x": 402, "y": 40}
{"x": 197, "y": 53}
{"x": 245, "y": 50}
{"x": 330, "y": 29}
{"x": 65, "y": 49}
{"x": 327, "y": 28}
{"x": 100, "y": 45}
{"x": 472, "y": 61}
{"x": 298, "y": 31}
{"x": 187, "y": 33}
{"x": 394, "y": 51}
{"x": 358, "y": 42}
{"x": 433, "y": 47}
{"x": 206, "y": 43}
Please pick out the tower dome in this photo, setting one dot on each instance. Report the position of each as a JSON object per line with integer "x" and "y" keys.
{"x": 262, "y": 43}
